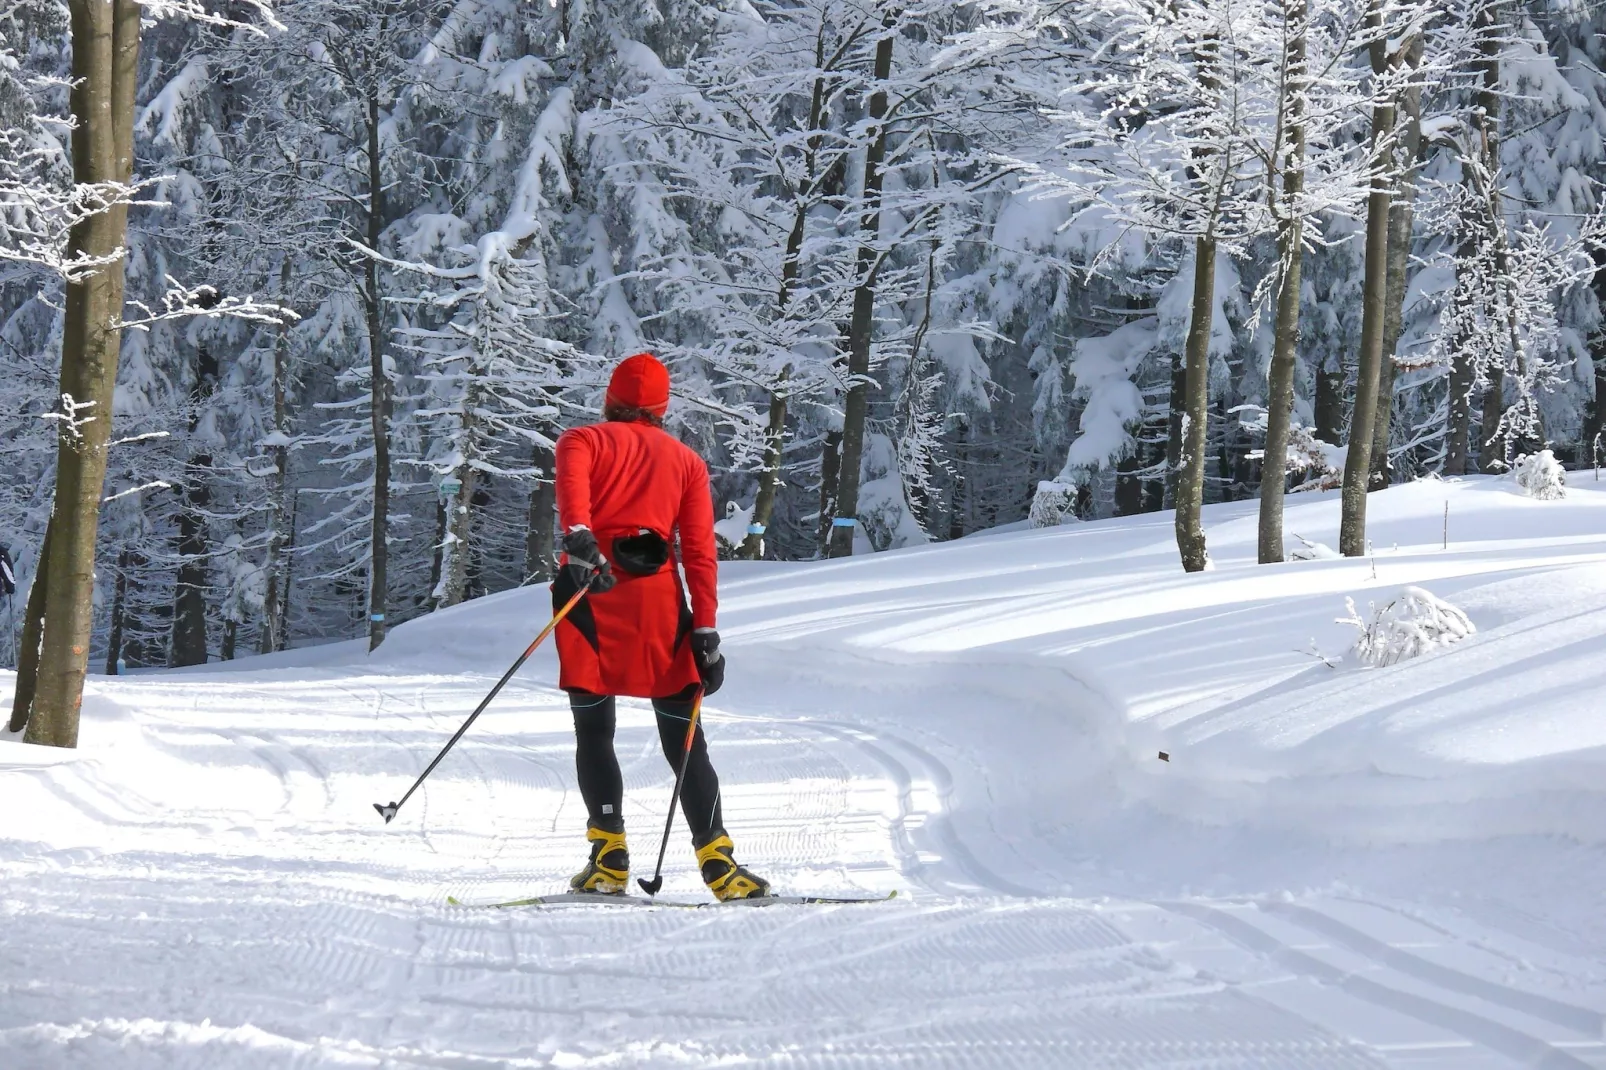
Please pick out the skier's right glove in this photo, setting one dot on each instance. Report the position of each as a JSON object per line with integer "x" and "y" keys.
{"x": 585, "y": 558}
{"x": 710, "y": 662}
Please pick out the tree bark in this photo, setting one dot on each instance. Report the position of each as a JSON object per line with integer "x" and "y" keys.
{"x": 1402, "y": 214}
{"x": 271, "y": 638}
{"x": 769, "y": 477}
{"x": 114, "y": 644}
{"x": 33, "y": 628}
{"x": 539, "y": 537}
{"x": 459, "y": 528}
{"x": 1457, "y": 453}
{"x": 189, "y": 600}
{"x": 830, "y": 469}
{"x": 1176, "y": 405}
{"x": 105, "y": 40}
{"x": 379, "y": 404}
{"x": 1196, "y": 414}
{"x": 861, "y": 329}
{"x": 1291, "y": 254}
{"x": 1358, "y": 460}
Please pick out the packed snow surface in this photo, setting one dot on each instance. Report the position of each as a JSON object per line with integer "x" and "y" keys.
{"x": 1338, "y": 866}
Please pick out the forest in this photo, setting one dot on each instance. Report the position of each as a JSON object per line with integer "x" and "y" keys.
{"x": 295, "y": 298}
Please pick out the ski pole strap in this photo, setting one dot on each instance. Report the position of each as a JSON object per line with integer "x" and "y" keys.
{"x": 845, "y": 522}
{"x": 755, "y": 529}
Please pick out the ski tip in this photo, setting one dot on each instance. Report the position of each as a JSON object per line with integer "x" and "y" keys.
{"x": 650, "y": 886}
{"x": 454, "y": 901}
{"x": 387, "y": 810}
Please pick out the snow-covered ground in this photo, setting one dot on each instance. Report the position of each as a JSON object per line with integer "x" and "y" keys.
{"x": 1338, "y": 867}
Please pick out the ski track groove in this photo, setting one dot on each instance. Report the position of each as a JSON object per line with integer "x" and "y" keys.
{"x": 1513, "y": 1043}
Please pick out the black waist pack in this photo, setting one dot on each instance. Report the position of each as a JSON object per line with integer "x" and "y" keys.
{"x": 641, "y": 554}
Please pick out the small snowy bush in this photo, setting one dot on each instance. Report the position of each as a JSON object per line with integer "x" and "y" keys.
{"x": 1540, "y": 476}
{"x": 1414, "y": 623}
{"x": 731, "y": 532}
{"x": 1312, "y": 551}
{"x": 1053, "y": 504}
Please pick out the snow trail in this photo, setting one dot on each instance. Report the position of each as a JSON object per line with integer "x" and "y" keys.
{"x": 1338, "y": 867}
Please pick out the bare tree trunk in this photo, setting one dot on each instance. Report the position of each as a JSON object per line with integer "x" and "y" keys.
{"x": 272, "y": 638}
{"x": 1176, "y": 405}
{"x": 114, "y": 644}
{"x": 459, "y": 528}
{"x": 1328, "y": 405}
{"x": 33, "y": 630}
{"x": 1290, "y": 253}
{"x": 105, "y": 40}
{"x": 379, "y": 405}
{"x": 752, "y": 545}
{"x": 1402, "y": 215}
{"x": 1358, "y": 461}
{"x": 861, "y": 329}
{"x": 769, "y": 477}
{"x": 1196, "y": 414}
{"x": 830, "y": 470}
{"x": 539, "y": 538}
{"x": 189, "y": 602}
{"x": 1458, "y": 453}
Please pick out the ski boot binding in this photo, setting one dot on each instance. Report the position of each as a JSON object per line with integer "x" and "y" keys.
{"x": 723, "y": 876}
{"x": 608, "y": 871}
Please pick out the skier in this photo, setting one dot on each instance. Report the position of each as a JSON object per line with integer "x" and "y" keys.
{"x": 625, "y": 489}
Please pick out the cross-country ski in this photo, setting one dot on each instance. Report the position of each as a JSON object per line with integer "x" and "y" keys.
{"x": 594, "y": 899}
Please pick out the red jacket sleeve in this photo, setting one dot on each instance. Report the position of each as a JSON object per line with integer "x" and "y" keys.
{"x": 573, "y": 462}
{"x": 697, "y": 550}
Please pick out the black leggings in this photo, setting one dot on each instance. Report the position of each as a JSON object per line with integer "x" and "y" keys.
{"x": 601, "y": 784}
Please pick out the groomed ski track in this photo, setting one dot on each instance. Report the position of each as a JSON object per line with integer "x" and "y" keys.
{"x": 1338, "y": 868}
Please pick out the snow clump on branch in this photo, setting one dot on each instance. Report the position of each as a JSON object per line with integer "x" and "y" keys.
{"x": 1415, "y": 623}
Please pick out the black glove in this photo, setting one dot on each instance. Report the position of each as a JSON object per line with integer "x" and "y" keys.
{"x": 585, "y": 558}
{"x": 710, "y": 662}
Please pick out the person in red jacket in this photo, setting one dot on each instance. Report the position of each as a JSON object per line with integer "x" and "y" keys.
{"x": 626, "y": 489}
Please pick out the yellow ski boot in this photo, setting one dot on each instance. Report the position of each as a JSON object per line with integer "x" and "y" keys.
{"x": 723, "y": 876}
{"x": 608, "y": 872}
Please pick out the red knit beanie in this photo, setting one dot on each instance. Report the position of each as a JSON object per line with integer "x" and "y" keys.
{"x": 640, "y": 382}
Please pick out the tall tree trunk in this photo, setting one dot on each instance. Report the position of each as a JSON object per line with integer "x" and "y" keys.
{"x": 379, "y": 404}
{"x": 861, "y": 329}
{"x": 1290, "y": 254}
{"x": 33, "y": 630}
{"x": 1358, "y": 460}
{"x": 114, "y": 644}
{"x": 1402, "y": 214}
{"x": 1492, "y": 451}
{"x": 189, "y": 601}
{"x": 1177, "y": 405}
{"x": 1457, "y": 451}
{"x": 830, "y": 470}
{"x": 1196, "y": 414}
{"x": 271, "y": 639}
{"x": 459, "y": 528}
{"x": 1328, "y": 404}
{"x": 1128, "y": 487}
{"x": 539, "y": 537}
{"x": 769, "y": 477}
{"x": 751, "y": 547}
{"x": 105, "y": 40}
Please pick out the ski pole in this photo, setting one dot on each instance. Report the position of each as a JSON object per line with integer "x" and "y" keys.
{"x": 389, "y": 811}
{"x": 651, "y": 887}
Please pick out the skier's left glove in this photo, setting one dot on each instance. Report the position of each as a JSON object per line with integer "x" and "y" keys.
{"x": 710, "y": 662}
{"x": 585, "y": 558}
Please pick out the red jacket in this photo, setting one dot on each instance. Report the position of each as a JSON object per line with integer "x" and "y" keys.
{"x": 617, "y": 479}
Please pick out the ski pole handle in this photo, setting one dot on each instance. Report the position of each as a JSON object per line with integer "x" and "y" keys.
{"x": 388, "y": 810}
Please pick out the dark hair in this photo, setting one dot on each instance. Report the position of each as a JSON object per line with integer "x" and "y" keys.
{"x": 626, "y": 414}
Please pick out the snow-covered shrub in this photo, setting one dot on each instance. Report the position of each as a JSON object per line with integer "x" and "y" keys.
{"x": 1414, "y": 623}
{"x": 1312, "y": 551}
{"x": 731, "y": 532}
{"x": 1540, "y": 476}
{"x": 1053, "y": 504}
